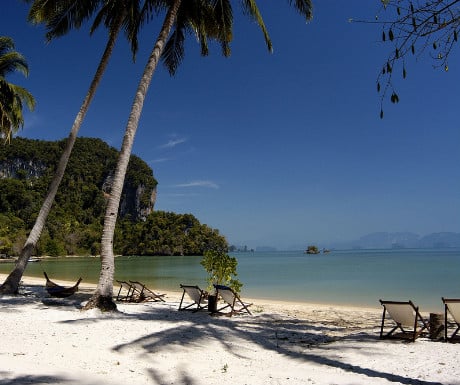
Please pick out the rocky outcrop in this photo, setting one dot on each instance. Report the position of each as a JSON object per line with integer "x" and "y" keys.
{"x": 19, "y": 168}
{"x": 138, "y": 201}
{"x": 91, "y": 166}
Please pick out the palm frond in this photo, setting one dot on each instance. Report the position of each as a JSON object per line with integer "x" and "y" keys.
{"x": 223, "y": 14}
{"x": 173, "y": 52}
{"x": 304, "y": 7}
{"x": 12, "y": 98}
{"x": 6, "y": 44}
{"x": 13, "y": 61}
{"x": 23, "y": 95}
{"x": 60, "y": 16}
{"x": 202, "y": 21}
{"x": 251, "y": 8}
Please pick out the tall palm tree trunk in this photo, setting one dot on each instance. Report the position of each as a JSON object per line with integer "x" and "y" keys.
{"x": 11, "y": 284}
{"x": 102, "y": 298}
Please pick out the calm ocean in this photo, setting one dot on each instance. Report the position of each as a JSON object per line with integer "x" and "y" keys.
{"x": 353, "y": 277}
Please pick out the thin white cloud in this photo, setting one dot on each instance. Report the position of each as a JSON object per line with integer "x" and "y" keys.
{"x": 31, "y": 121}
{"x": 159, "y": 160}
{"x": 199, "y": 183}
{"x": 173, "y": 143}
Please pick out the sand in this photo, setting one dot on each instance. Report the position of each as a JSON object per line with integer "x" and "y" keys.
{"x": 51, "y": 341}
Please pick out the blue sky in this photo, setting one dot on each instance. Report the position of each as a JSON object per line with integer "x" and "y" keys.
{"x": 273, "y": 149}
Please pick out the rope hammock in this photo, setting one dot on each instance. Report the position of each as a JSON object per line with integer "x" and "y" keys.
{"x": 59, "y": 291}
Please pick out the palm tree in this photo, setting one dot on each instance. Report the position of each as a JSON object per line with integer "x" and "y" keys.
{"x": 219, "y": 28}
{"x": 60, "y": 16}
{"x": 12, "y": 96}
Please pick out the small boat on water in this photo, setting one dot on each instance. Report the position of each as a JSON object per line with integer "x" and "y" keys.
{"x": 34, "y": 259}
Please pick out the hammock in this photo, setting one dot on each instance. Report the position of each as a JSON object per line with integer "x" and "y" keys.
{"x": 59, "y": 291}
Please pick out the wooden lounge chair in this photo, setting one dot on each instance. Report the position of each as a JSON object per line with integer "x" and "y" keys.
{"x": 126, "y": 292}
{"x": 232, "y": 300}
{"x": 143, "y": 293}
{"x": 452, "y": 308}
{"x": 196, "y": 295}
{"x": 59, "y": 291}
{"x": 408, "y": 323}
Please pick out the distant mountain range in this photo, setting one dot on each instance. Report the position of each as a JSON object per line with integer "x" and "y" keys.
{"x": 405, "y": 240}
{"x": 379, "y": 240}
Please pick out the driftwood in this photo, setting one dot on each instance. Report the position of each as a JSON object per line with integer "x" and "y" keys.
{"x": 59, "y": 291}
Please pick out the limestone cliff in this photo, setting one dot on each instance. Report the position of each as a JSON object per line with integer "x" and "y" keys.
{"x": 90, "y": 169}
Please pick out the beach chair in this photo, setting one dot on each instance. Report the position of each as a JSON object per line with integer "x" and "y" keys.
{"x": 408, "y": 323}
{"x": 143, "y": 293}
{"x": 126, "y": 292}
{"x": 452, "y": 308}
{"x": 196, "y": 295}
{"x": 232, "y": 300}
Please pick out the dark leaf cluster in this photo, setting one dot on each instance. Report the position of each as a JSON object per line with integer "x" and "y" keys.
{"x": 414, "y": 29}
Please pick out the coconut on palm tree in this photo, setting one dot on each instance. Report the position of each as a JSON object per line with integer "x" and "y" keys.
{"x": 59, "y": 18}
{"x": 209, "y": 19}
{"x": 12, "y": 96}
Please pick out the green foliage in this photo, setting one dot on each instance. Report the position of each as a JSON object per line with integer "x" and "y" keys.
{"x": 166, "y": 233}
{"x": 74, "y": 225}
{"x": 12, "y": 97}
{"x": 221, "y": 269}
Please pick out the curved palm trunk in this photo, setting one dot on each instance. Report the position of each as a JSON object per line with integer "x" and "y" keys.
{"x": 11, "y": 284}
{"x": 102, "y": 298}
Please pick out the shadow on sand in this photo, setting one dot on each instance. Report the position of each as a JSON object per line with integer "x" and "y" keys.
{"x": 301, "y": 340}
{"x": 296, "y": 339}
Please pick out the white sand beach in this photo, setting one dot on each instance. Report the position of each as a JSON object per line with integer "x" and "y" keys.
{"x": 47, "y": 340}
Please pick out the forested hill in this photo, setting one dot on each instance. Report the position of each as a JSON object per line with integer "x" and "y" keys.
{"x": 74, "y": 226}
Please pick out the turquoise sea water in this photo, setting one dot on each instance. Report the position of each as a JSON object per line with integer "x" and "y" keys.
{"x": 356, "y": 277}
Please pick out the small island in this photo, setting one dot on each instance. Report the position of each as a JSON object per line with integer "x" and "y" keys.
{"x": 314, "y": 250}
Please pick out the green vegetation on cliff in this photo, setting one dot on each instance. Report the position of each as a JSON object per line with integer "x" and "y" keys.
{"x": 74, "y": 226}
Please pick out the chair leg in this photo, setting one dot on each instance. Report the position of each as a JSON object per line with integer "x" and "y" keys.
{"x": 182, "y": 299}
{"x": 243, "y": 306}
{"x": 446, "y": 326}
{"x": 414, "y": 336}
{"x": 445, "y": 322}
{"x": 118, "y": 295}
{"x": 383, "y": 323}
{"x": 455, "y": 332}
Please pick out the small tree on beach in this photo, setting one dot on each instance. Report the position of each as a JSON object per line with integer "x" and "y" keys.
{"x": 12, "y": 96}
{"x": 221, "y": 269}
{"x": 205, "y": 19}
{"x": 59, "y": 18}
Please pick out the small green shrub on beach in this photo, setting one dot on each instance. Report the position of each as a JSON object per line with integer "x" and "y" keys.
{"x": 221, "y": 269}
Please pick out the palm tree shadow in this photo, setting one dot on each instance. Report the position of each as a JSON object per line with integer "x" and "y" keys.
{"x": 293, "y": 338}
{"x": 159, "y": 379}
{"x": 303, "y": 340}
{"x": 32, "y": 379}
